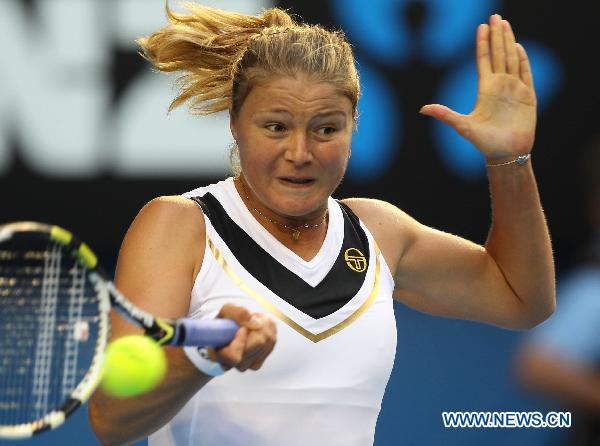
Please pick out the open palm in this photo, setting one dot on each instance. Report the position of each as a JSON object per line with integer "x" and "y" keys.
{"x": 503, "y": 120}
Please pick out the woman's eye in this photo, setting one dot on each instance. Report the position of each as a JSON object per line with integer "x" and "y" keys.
{"x": 276, "y": 128}
{"x": 326, "y": 131}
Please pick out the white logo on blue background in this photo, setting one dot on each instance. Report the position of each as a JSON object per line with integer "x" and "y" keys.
{"x": 380, "y": 29}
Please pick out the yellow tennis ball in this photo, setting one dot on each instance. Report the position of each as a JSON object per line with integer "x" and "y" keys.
{"x": 133, "y": 365}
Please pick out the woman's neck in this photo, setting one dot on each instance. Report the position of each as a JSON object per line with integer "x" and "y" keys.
{"x": 304, "y": 236}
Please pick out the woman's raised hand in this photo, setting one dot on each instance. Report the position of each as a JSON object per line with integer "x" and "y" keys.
{"x": 502, "y": 124}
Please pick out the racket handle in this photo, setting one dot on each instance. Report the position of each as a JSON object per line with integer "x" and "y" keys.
{"x": 208, "y": 332}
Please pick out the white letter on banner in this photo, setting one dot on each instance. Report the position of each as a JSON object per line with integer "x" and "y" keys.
{"x": 147, "y": 141}
{"x": 54, "y": 83}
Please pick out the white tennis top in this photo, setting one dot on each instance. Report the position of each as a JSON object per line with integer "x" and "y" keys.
{"x": 336, "y": 333}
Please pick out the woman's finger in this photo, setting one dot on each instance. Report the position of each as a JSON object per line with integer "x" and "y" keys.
{"x": 524, "y": 66}
{"x": 268, "y": 338}
{"x": 510, "y": 46}
{"x": 259, "y": 345}
{"x": 497, "y": 44}
{"x": 484, "y": 65}
{"x": 255, "y": 344}
{"x": 239, "y": 314}
{"x": 258, "y": 362}
{"x": 233, "y": 353}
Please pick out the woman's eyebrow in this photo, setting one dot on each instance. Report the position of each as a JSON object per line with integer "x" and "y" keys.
{"x": 331, "y": 113}
{"x": 318, "y": 115}
{"x": 274, "y": 110}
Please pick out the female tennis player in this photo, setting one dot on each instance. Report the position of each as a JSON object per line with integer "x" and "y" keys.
{"x": 271, "y": 249}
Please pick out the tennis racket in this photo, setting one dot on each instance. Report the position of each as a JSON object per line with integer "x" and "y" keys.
{"x": 55, "y": 303}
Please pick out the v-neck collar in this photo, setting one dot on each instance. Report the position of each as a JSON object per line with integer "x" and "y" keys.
{"x": 313, "y": 270}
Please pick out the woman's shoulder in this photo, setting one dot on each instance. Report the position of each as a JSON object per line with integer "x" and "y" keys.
{"x": 391, "y": 227}
{"x": 162, "y": 236}
{"x": 222, "y": 189}
{"x": 171, "y": 210}
{"x": 168, "y": 221}
{"x": 377, "y": 212}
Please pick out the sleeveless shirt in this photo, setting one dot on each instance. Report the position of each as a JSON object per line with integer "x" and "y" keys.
{"x": 336, "y": 333}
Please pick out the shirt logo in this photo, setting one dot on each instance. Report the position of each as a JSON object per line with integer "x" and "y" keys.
{"x": 355, "y": 260}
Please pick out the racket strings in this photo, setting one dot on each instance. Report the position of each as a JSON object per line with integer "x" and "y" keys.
{"x": 45, "y": 334}
{"x": 48, "y": 328}
{"x": 79, "y": 331}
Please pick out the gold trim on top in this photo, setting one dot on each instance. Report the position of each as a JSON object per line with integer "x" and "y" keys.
{"x": 267, "y": 305}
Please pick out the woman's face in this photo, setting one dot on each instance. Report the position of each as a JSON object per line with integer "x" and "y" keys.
{"x": 294, "y": 137}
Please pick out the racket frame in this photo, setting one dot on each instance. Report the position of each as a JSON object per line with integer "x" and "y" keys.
{"x": 163, "y": 331}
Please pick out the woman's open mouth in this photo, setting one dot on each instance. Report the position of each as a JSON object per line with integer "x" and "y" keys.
{"x": 297, "y": 181}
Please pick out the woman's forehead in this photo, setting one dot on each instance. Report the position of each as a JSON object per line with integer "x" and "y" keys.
{"x": 292, "y": 92}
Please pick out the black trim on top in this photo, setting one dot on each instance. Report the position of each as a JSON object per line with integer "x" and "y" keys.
{"x": 338, "y": 287}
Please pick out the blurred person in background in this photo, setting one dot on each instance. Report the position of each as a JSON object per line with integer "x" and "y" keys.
{"x": 560, "y": 359}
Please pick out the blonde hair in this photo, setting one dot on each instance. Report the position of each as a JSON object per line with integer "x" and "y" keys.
{"x": 222, "y": 55}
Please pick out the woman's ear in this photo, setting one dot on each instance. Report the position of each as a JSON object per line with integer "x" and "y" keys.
{"x": 232, "y": 124}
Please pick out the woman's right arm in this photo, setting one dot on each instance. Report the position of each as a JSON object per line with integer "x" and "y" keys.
{"x": 158, "y": 262}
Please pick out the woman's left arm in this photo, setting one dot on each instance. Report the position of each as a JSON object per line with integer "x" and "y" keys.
{"x": 502, "y": 127}
{"x": 519, "y": 241}
{"x": 510, "y": 281}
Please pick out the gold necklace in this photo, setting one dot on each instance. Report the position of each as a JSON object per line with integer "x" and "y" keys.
{"x": 295, "y": 232}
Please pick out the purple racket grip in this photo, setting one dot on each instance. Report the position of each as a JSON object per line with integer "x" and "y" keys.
{"x": 208, "y": 332}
